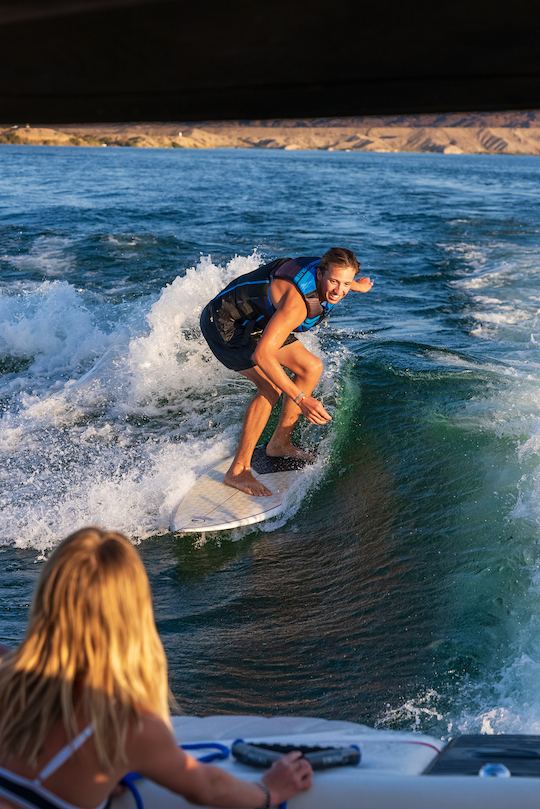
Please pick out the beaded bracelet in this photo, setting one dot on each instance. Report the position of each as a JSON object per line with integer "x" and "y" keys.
{"x": 299, "y": 396}
{"x": 267, "y": 796}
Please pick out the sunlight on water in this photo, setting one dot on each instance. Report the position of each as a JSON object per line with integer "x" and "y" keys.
{"x": 403, "y": 578}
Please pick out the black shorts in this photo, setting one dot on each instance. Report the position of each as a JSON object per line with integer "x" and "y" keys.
{"x": 236, "y": 357}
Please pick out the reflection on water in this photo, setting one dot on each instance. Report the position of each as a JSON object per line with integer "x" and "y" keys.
{"x": 401, "y": 586}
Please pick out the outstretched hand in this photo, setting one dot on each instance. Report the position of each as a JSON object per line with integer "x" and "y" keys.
{"x": 313, "y": 410}
{"x": 287, "y": 776}
{"x": 362, "y": 285}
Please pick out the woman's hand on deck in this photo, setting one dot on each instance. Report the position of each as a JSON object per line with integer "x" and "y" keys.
{"x": 288, "y": 776}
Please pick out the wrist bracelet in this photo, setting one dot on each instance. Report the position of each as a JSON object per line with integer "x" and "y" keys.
{"x": 299, "y": 396}
{"x": 267, "y": 797}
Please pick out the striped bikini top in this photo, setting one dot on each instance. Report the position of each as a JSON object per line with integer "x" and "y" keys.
{"x": 30, "y": 792}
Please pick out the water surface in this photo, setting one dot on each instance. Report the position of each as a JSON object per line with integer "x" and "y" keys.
{"x": 401, "y": 586}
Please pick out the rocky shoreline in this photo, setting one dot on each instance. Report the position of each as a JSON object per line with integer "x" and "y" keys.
{"x": 503, "y": 133}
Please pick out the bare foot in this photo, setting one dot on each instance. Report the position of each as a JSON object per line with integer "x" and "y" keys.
{"x": 245, "y": 481}
{"x": 289, "y": 451}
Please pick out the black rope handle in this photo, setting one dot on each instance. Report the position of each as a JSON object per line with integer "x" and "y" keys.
{"x": 262, "y": 755}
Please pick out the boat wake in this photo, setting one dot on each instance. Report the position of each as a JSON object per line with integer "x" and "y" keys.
{"x": 108, "y": 420}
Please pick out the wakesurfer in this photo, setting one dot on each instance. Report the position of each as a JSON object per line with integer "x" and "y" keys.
{"x": 250, "y": 327}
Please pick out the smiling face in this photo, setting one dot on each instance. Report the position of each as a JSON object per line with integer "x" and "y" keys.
{"x": 335, "y": 283}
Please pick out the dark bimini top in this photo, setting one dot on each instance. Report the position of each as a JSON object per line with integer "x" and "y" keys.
{"x": 30, "y": 792}
{"x": 244, "y": 307}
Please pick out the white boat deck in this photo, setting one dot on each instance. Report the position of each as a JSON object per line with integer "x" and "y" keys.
{"x": 388, "y": 776}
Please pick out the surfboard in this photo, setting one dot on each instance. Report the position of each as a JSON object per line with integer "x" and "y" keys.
{"x": 210, "y": 505}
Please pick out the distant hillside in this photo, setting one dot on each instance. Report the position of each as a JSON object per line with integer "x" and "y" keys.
{"x": 456, "y": 133}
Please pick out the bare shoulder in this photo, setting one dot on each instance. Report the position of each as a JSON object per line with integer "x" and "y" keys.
{"x": 285, "y": 294}
{"x": 150, "y": 732}
{"x": 154, "y": 752}
{"x": 290, "y": 308}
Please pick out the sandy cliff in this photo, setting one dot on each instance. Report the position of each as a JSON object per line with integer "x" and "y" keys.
{"x": 500, "y": 133}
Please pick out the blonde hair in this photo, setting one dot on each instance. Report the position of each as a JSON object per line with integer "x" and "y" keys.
{"x": 91, "y": 651}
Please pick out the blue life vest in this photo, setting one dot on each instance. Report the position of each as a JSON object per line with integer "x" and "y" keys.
{"x": 243, "y": 309}
{"x": 302, "y": 272}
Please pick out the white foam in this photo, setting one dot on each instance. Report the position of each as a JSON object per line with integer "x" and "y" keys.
{"x": 51, "y": 325}
{"x": 415, "y": 713}
{"x": 106, "y": 429}
{"x": 167, "y": 358}
{"x": 472, "y": 255}
{"x": 502, "y": 316}
{"x": 510, "y": 701}
{"x": 48, "y": 255}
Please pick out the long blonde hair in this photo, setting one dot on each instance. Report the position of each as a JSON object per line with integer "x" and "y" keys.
{"x": 91, "y": 651}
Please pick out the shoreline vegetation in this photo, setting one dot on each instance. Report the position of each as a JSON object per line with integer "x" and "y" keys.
{"x": 515, "y": 133}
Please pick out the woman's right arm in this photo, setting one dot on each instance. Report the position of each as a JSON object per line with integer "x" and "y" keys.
{"x": 154, "y": 753}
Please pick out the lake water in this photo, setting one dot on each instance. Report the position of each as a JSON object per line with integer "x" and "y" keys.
{"x": 402, "y": 586}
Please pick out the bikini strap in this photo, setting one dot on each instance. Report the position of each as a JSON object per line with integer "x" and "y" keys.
{"x": 64, "y": 754}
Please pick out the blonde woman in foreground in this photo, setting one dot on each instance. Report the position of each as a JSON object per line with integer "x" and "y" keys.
{"x": 84, "y": 699}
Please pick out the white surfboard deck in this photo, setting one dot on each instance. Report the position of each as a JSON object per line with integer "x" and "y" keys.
{"x": 210, "y": 505}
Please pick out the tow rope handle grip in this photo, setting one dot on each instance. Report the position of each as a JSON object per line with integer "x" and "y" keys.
{"x": 343, "y": 757}
{"x": 254, "y": 756}
{"x": 262, "y": 757}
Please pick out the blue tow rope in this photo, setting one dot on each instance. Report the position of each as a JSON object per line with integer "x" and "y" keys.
{"x": 219, "y": 753}
{"x": 261, "y": 756}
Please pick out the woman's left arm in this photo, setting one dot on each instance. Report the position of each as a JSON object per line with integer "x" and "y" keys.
{"x": 362, "y": 285}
